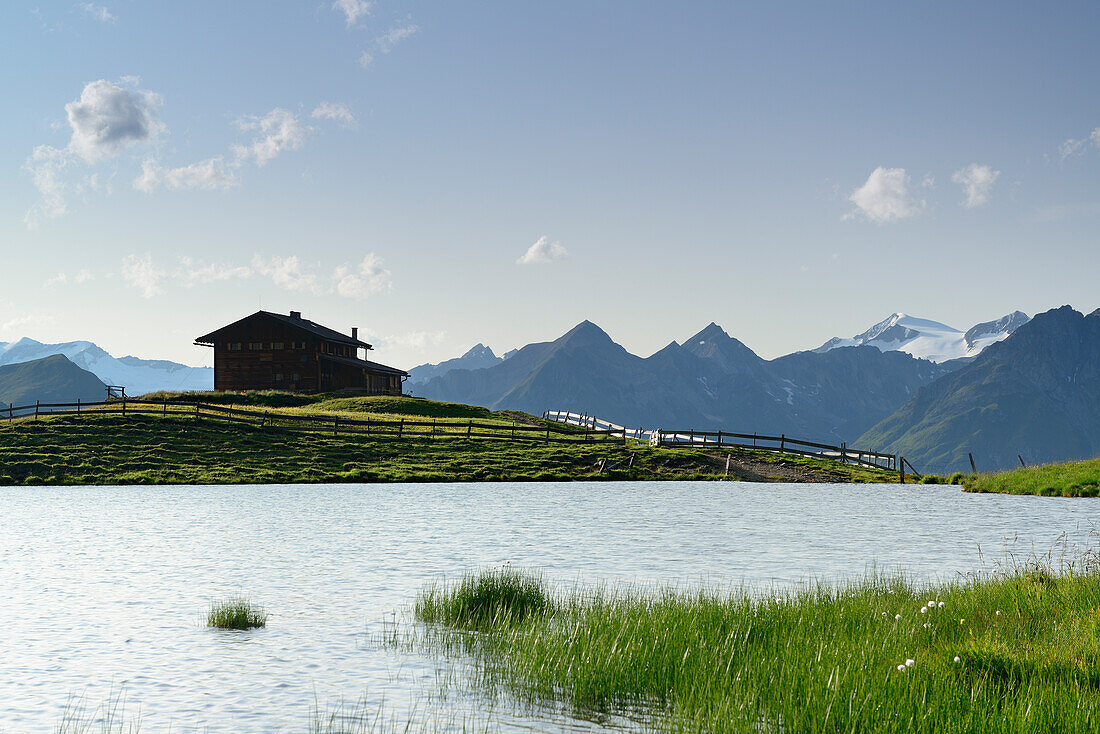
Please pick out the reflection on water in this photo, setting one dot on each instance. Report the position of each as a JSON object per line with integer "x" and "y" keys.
{"x": 106, "y": 587}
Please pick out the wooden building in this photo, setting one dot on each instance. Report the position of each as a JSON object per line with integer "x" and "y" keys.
{"x": 272, "y": 351}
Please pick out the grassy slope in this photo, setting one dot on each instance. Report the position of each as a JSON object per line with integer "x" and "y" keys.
{"x": 1072, "y": 479}
{"x": 151, "y": 450}
{"x": 822, "y": 660}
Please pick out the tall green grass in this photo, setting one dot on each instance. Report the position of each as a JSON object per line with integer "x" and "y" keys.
{"x": 236, "y": 613}
{"x": 1071, "y": 479}
{"x": 498, "y": 596}
{"x": 1015, "y": 653}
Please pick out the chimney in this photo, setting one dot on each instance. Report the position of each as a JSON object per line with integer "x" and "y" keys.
{"x": 295, "y": 314}
{"x": 355, "y": 332}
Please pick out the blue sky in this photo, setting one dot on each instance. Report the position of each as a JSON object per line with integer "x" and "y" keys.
{"x": 440, "y": 174}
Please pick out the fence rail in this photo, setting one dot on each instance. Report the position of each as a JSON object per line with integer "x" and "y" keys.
{"x": 689, "y": 438}
{"x": 316, "y": 423}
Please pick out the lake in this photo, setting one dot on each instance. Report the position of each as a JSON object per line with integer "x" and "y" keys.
{"x": 103, "y": 589}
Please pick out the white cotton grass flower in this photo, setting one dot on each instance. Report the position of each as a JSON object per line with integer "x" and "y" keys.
{"x": 927, "y": 625}
{"x": 997, "y": 613}
{"x": 958, "y": 659}
{"x": 924, "y": 610}
{"x": 902, "y": 668}
{"x": 897, "y": 616}
{"x": 931, "y": 603}
{"x": 939, "y": 604}
{"x": 910, "y": 663}
{"x": 885, "y": 614}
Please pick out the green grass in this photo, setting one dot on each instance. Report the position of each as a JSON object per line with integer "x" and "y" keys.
{"x": 825, "y": 659}
{"x": 112, "y": 449}
{"x": 500, "y": 596}
{"x": 236, "y": 613}
{"x": 1072, "y": 479}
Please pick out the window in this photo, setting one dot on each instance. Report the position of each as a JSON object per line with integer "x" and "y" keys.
{"x": 278, "y": 377}
{"x": 255, "y": 346}
{"x": 277, "y": 345}
{"x": 234, "y": 346}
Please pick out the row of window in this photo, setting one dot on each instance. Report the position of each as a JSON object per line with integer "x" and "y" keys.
{"x": 259, "y": 346}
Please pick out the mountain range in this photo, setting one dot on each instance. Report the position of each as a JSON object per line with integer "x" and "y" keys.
{"x": 711, "y": 380}
{"x": 1005, "y": 387}
{"x": 138, "y": 376}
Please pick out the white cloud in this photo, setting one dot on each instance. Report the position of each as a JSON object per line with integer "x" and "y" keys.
{"x": 353, "y": 10}
{"x": 208, "y": 174}
{"x": 334, "y": 111}
{"x": 384, "y": 44}
{"x": 83, "y": 276}
{"x": 108, "y": 118}
{"x": 543, "y": 251}
{"x": 288, "y": 273}
{"x": 976, "y": 181}
{"x": 194, "y": 272}
{"x": 47, "y": 166}
{"x": 394, "y": 36}
{"x": 279, "y": 129}
{"x": 53, "y": 280}
{"x": 885, "y": 196}
{"x": 142, "y": 274}
{"x": 370, "y": 277}
{"x": 99, "y": 12}
{"x": 1078, "y": 146}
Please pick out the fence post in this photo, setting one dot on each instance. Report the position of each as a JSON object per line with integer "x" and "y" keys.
{"x": 164, "y": 411}
{"x": 843, "y": 452}
{"x": 36, "y": 410}
{"x": 782, "y": 441}
{"x": 720, "y": 438}
{"x": 513, "y": 430}
{"x": 728, "y": 465}
{"x": 401, "y": 427}
{"x": 469, "y": 426}
{"x": 336, "y": 425}
{"x": 78, "y": 410}
{"x": 10, "y": 416}
{"x": 973, "y": 468}
{"x": 196, "y": 412}
{"x": 548, "y": 434}
{"x": 124, "y": 407}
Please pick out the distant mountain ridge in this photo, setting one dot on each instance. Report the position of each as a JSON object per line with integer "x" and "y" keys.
{"x": 138, "y": 376}
{"x": 476, "y": 357}
{"x": 1034, "y": 396}
{"x": 52, "y": 379}
{"x": 710, "y": 380}
{"x": 931, "y": 340}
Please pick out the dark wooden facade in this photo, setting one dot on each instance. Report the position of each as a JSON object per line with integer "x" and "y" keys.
{"x": 270, "y": 351}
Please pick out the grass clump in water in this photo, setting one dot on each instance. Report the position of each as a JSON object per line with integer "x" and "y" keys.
{"x": 494, "y": 597}
{"x": 236, "y": 613}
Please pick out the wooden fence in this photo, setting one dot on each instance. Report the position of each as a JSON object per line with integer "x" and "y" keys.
{"x": 317, "y": 423}
{"x": 723, "y": 439}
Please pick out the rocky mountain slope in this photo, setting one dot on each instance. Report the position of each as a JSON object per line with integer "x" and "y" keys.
{"x": 1036, "y": 395}
{"x": 52, "y": 379}
{"x": 475, "y": 358}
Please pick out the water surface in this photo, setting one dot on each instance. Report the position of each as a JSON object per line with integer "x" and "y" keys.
{"x": 104, "y": 588}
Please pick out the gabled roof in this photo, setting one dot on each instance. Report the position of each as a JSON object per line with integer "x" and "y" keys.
{"x": 295, "y": 321}
{"x": 369, "y": 366}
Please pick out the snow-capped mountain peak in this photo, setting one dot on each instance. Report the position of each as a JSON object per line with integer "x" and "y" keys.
{"x": 927, "y": 339}
{"x": 138, "y": 376}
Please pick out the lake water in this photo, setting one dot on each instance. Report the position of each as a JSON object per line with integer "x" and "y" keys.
{"x": 103, "y": 588}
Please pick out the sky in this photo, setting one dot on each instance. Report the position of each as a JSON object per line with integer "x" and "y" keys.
{"x": 440, "y": 174}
